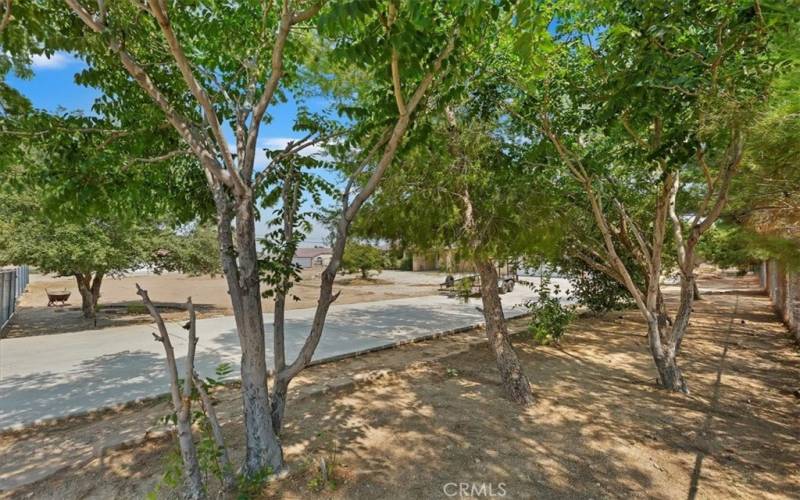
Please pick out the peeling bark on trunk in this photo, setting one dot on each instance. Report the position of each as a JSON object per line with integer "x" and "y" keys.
{"x": 278, "y": 404}
{"x": 240, "y": 267}
{"x": 512, "y": 376}
{"x": 89, "y": 288}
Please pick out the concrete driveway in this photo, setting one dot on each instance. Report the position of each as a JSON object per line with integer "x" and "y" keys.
{"x": 52, "y": 376}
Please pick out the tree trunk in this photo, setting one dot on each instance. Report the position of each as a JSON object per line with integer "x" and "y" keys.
{"x": 664, "y": 357}
{"x": 696, "y": 288}
{"x": 513, "y": 378}
{"x": 240, "y": 267}
{"x": 280, "y": 387}
{"x": 278, "y": 404}
{"x": 89, "y": 289}
{"x": 365, "y": 273}
{"x": 193, "y": 479}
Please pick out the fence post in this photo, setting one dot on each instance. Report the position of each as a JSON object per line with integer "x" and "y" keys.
{"x": 13, "y": 283}
{"x": 5, "y": 297}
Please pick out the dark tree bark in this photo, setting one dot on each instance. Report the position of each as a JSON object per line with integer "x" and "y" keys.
{"x": 697, "y": 295}
{"x": 89, "y": 288}
{"x": 513, "y": 378}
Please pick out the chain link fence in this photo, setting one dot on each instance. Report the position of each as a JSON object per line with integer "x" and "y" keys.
{"x": 13, "y": 282}
{"x": 783, "y": 287}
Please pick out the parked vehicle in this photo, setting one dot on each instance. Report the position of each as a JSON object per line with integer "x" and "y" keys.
{"x": 458, "y": 286}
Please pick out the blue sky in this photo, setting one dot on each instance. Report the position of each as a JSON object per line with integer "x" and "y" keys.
{"x": 53, "y": 88}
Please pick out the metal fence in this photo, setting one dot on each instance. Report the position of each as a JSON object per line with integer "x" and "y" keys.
{"x": 783, "y": 287}
{"x": 13, "y": 282}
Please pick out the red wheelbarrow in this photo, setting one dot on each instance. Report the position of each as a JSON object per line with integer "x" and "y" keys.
{"x": 54, "y": 296}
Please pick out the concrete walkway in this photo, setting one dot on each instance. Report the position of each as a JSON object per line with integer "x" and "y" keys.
{"x": 53, "y": 376}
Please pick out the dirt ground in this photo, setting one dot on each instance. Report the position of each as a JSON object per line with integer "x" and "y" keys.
{"x": 417, "y": 421}
{"x": 120, "y": 306}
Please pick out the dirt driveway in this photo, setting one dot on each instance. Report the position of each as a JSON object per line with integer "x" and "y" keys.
{"x": 407, "y": 423}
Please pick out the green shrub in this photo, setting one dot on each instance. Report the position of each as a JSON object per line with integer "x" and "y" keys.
{"x": 463, "y": 288}
{"x": 597, "y": 291}
{"x": 549, "y": 317}
{"x": 135, "y": 309}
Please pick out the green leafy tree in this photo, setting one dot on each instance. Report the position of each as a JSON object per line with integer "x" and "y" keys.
{"x": 593, "y": 289}
{"x": 464, "y": 186}
{"x": 766, "y": 196}
{"x": 90, "y": 248}
{"x": 91, "y": 197}
{"x": 221, "y": 67}
{"x": 549, "y": 317}
{"x": 363, "y": 258}
{"x": 649, "y": 101}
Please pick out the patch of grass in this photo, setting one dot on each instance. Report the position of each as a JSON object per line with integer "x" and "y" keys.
{"x": 324, "y": 470}
{"x": 135, "y": 309}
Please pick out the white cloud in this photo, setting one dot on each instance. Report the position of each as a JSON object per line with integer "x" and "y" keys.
{"x": 56, "y": 61}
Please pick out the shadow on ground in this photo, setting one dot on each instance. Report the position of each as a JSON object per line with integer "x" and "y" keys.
{"x": 600, "y": 427}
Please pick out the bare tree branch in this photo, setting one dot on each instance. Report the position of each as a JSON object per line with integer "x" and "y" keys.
{"x": 398, "y": 89}
{"x": 575, "y": 166}
{"x": 269, "y": 90}
{"x": 225, "y": 464}
{"x": 677, "y": 227}
{"x": 160, "y": 158}
{"x": 636, "y": 137}
{"x": 305, "y": 15}
{"x": 732, "y": 162}
{"x": 190, "y": 133}
{"x": 181, "y": 403}
{"x": 395, "y": 63}
{"x": 159, "y": 11}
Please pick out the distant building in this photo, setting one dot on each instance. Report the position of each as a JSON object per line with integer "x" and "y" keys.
{"x": 440, "y": 260}
{"x": 312, "y": 257}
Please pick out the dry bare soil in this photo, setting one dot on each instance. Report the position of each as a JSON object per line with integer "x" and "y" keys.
{"x": 120, "y": 306}
{"x": 405, "y": 423}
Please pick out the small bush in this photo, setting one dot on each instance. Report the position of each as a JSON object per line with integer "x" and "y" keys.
{"x": 597, "y": 291}
{"x": 463, "y": 288}
{"x": 549, "y": 317}
{"x": 324, "y": 470}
